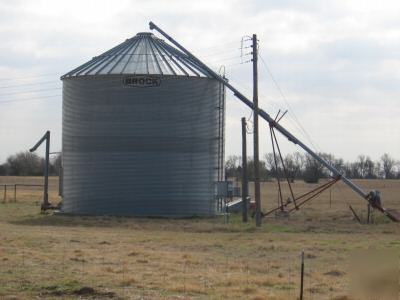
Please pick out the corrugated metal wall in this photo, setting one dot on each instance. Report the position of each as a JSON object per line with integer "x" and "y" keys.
{"x": 149, "y": 151}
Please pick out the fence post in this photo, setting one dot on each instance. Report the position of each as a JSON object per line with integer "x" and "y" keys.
{"x": 15, "y": 192}
{"x": 302, "y": 275}
{"x": 5, "y": 193}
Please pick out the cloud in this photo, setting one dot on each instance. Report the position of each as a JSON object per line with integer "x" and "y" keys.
{"x": 337, "y": 62}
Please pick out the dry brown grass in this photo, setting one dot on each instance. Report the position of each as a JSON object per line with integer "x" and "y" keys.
{"x": 47, "y": 256}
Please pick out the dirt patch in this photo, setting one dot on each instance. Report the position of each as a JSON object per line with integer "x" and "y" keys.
{"x": 104, "y": 243}
{"x": 336, "y": 273}
{"x": 342, "y": 298}
{"x": 80, "y": 260}
{"x": 86, "y": 291}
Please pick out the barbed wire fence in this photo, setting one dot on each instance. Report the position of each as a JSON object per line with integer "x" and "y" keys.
{"x": 72, "y": 272}
{"x": 10, "y": 192}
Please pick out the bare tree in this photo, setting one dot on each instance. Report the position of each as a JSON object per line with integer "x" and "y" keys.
{"x": 25, "y": 163}
{"x": 369, "y": 168}
{"x": 270, "y": 164}
{"x": 337, "y": 163}
{"x": 4, "y": 169}
{"x": 231, "y": 166}
{"x": 306, "y": 167}
{"x": 55, "y": 164}
{"x": 352, "y": 170}
{"x": 313, "y": 170}
{"x": 388, "y": 164}
{"x": 378, "y": 170}
{"x": 398, "y": 170}
{"x": 361, "y": 165}
{"x": 294, "y": 164}
{"x": 298, "y": 160}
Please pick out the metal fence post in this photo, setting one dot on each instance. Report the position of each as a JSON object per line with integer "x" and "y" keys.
{"x": 302, "y": 276}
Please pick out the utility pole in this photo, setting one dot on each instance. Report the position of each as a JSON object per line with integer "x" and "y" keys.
{"x": 245, "y": 187}
{"x": 255, "y": 120}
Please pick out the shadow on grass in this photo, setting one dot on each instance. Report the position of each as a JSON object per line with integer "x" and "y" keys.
{"x": 193, "y": 225}
{"x": 49, "y": 219}
{"x": 299, "y": 223}
{"x": 66, "y": 221}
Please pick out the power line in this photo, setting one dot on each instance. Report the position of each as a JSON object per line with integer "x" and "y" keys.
{"x": 29, "y": 91}
{"x": 29, "y": 99}
{"x": 248, "y": 89}
{"x": 288, "y": 105}
{"x": 208, "y": 54}
{"x": 230, "y": 65}
{"x": 27, "y": 84}
{"x": 272, "y": 102}
{"x": 221, "y": 45}
{"x": 28, "y": 77}
{"x": 225, "y": 59}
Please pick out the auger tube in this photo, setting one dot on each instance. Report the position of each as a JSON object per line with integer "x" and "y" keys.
{"x": 370, "y": 197}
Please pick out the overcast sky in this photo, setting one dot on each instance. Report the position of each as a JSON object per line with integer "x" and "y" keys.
{"x": 336, "y": 62}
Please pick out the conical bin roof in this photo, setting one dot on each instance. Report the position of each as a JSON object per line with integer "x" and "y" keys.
{"x": 144, "y": 54}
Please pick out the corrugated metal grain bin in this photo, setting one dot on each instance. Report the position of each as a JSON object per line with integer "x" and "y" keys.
{"x": 142, "y": 133}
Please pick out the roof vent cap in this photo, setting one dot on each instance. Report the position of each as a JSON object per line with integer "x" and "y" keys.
{"x": 144, "y": 34}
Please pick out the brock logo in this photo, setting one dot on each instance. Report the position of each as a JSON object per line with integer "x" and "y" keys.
{"x": 142, "y": 81}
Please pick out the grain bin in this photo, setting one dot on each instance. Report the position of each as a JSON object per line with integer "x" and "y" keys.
{"x": 142, "y": 133}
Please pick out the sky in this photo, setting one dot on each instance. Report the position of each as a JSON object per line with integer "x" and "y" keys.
{"x": 334, "y": 65}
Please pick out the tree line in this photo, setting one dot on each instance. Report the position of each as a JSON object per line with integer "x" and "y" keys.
{"x": 305, "y": 167}
{"x": 297, "y": 165}
{"x": 29, "y": 164}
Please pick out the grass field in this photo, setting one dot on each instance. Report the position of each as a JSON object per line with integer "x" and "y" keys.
{"x": 46, "y": 256}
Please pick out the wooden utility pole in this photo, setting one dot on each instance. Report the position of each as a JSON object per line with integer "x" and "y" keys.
{"x": 255, "y": 117}
{"x": 245, "y": 187}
